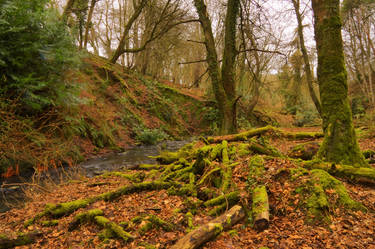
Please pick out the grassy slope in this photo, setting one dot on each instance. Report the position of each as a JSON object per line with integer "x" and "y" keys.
{"x": 114, "y": 107}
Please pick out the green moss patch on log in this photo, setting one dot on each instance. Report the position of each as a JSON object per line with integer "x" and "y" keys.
{"x": 84, "y": 217}
{"x": 112, "y": 228}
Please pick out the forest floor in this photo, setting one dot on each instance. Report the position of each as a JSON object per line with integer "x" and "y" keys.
{"x": 288, "y": 224}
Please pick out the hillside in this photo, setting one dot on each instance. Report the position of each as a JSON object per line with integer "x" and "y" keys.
{"x": 114, "y": 110}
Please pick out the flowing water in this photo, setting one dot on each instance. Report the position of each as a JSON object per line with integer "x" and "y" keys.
{"x": 11, "y": 193}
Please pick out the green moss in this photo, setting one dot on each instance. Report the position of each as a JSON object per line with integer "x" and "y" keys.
{"x": 297, "y": 172}
{"x": 231, "y": 197}
{"x": 85, "y": 217}
{"x": 256, "y": 171}
{"x": 368, "y": 153}
{"x": 206, "y": 177}
{"x": 113, "y": 228}
{"x": 259, "y": 198}
{"x": 136, "y": 177}
{"x": 149, "y": 166}
{"x": 324, "y": 193}
{"x": 233, "y": 232}
{"x": 49, "y": 223}
{"x": 243, "y": 150}
{"x": 189, "y": 220}
{"x": 152, "y": 222}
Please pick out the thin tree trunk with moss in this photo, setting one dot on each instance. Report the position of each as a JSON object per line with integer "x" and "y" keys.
{"x": 223, "y": 82}
{"x": 340, "y": 144}
{"x": 309, "y": 76}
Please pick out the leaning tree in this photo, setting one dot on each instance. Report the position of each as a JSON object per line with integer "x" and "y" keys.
{"x": 340, "y": 144}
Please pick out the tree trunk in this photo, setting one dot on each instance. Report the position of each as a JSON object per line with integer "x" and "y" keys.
{"x": 121, "y": 46}
{"x": 223, "y": 83}
{"x": 340, "y": 144}
{"x": 88, "y": 22}
{"x": 309, "y": 76}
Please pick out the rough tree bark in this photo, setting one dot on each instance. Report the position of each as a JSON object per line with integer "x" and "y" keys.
{"x": 223, "y": 81}
{"x": 340, "y": 144}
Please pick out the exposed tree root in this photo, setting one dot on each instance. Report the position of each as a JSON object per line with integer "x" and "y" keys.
{"x": 23, "y": 239}
{"x": 360, "y": 175}
{"x": 208, "y": 231}
{"x": 84, "y": 217}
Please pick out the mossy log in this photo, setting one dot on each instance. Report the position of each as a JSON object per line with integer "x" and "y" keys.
{"x": 84, "y": 217}
{"x": 305, "y": 151}
{"x": 260, "y": 208}
{"x": 66, "y": 208}
{"x": 360, "y": 175}
{"x": 243, "y": 136}
{"x": 230, "y": 197}
{"x": 21, "y": 240}
{"x": 208, "y": 231}
{"x": 113, "y": 228}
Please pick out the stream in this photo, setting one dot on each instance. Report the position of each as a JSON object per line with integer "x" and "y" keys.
{"x": 11, "y": 194}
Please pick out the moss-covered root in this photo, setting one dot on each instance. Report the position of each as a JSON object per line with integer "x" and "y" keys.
{"x": 360, "y": 175}
{"x": 22, "y": 239}
{"x": 206, "y": 232}
{"x": 260, "y": 208}
{"x": 318, "y": 203}
{"x": 66, "y": 208}
{"x": 113, "y": 228}
{"x": 152, "y": 221}
{"x": 84, "y": 217}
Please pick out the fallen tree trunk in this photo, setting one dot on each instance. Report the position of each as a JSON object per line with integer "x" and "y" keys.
{"x": 21, "y": 240}
{"x": 243, "y": 136}
{"x": 260, "y": 208}
{"x": 208, "y": 231}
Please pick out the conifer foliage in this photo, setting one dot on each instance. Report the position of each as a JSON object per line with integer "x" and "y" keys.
{"x": 35, "y": 49}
